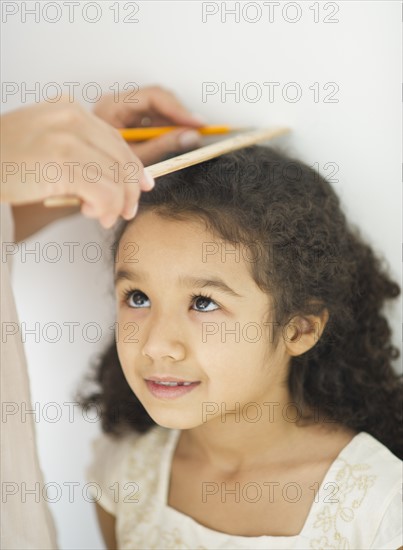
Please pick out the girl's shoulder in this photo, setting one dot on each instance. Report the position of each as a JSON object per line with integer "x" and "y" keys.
{"x": 363, "y": 487}
{"x": 366, "y": 472}
{"x": 367, "y": 449}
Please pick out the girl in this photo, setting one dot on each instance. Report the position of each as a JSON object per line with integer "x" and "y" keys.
{"x": 248, "y": 400}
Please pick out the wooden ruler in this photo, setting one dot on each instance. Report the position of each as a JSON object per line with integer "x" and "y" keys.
{"x": 189, "y": 159}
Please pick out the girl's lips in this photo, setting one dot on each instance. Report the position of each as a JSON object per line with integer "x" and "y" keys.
{"x": 167, "y": 379}
{"x": 169, "y": 392}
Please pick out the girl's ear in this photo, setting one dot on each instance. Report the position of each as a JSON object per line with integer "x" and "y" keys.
{"x": 302, "y": 332}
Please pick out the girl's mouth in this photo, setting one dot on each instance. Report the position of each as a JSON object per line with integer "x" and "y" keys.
{"x": 170, "y": 388}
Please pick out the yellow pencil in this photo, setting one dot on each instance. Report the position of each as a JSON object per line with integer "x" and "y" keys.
{"x": 141, "y": 134}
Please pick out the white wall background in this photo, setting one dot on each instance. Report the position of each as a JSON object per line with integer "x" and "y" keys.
{"x": 172, "y": 46}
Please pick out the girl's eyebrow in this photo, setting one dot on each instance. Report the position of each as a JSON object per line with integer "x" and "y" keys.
{"x": 210, "y": 281}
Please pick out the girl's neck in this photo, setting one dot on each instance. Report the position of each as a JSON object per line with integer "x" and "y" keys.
{"x": 233, "y": 447}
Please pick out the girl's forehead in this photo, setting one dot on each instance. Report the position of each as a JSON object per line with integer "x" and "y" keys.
{"x": 150, "y": 224}
{"x": 184, "y": 241}
{"x": 166, "y": 246}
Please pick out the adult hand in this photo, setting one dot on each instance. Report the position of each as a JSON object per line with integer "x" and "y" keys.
{"x": 60, "y": 148}
{"x": 153, "y": 106}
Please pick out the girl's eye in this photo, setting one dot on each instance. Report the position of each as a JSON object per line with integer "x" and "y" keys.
{"x": 136, "y": 299}
{"x": 204, "y": 303}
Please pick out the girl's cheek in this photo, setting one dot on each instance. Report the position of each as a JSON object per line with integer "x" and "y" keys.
{"x": 130, "y": 314}
{"x": 122, "y": 355}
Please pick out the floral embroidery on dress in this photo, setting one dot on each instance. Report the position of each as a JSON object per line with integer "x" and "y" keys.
{"x": 158, "y": 538}
{"x": 353, "y": 482}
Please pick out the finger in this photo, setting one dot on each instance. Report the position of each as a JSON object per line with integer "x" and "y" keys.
{"x": 92, "y": 180}
{"x": 130, "y": 209}
{"x": 160, "y": 105}
{"x": 74, "y": 126}
{"x": 107, "y": 220}
{"x": 120, "y": 153}
{"x": 105, "y": 138}
{"x": 91, "y": 173}
{"x": 97, "y": 133}
{"x": 168, "y": 105}
{"x": 119, "y": 158}
{"x": 154, "y": 150}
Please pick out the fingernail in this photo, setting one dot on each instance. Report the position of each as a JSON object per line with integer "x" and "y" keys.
{"x": 199, "y": 118}
{"x": 189, "y": 139}
{"x": 135, "y": 210}
{"x": 149, "y": 179}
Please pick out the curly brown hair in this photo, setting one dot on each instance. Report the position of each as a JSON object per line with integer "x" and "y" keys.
{"x": 312, "y": 259}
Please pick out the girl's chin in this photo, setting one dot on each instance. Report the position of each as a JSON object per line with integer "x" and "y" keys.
{"x": 176, "y": 421}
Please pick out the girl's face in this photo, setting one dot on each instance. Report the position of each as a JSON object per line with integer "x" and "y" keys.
{"x": 194, "y": 331}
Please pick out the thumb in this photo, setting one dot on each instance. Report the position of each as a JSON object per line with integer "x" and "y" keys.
{"x": 154, "y": 150}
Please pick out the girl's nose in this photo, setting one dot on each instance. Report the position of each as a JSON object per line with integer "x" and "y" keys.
{"x": 163, "y": 339}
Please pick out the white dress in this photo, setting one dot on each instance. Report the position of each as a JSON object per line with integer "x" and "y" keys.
{"x": 131, "y": 476}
